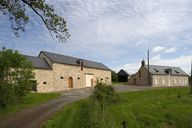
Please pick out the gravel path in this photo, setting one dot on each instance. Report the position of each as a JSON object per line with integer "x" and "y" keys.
{"x": 34, "y": 117}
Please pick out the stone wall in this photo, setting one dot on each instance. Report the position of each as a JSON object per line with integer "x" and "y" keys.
{"x": 140, "y": 78}
{"x": 169, "y": 80}
{"x": 57, "y": 78}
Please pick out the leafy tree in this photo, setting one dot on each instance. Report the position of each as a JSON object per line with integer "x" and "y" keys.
{"x": 114, "y": 76}
{"x": 15, "y": 76}
{"x": 16, "y": 11}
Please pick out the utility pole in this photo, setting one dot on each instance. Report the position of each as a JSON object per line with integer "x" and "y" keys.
{"x": 148, "y": 67}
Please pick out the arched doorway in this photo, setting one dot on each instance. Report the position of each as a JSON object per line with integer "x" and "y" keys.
{"x": 70, "y": 82}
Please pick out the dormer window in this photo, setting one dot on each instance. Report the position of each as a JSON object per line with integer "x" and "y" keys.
{"x": 168, "y": 71}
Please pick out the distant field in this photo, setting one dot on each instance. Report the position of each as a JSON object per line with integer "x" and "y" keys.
{"x": 158, "y": 108}
{"x": 29, "y": 100}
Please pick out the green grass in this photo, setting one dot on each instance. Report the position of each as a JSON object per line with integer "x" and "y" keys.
{"x": 158, "y": 108}
{"x": 30, "y": 100}
{"x": 117, "y": 83}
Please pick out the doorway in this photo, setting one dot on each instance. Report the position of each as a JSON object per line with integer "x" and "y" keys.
{"x": 89, "y": 80}
{"x": 134, "y": 81}
{"x": 70, "y": 82}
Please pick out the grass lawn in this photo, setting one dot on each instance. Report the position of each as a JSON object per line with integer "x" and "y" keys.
{"x": 158, "y": 108}
{"x": 29, "y": 100}
{"x": 117, "y": 83}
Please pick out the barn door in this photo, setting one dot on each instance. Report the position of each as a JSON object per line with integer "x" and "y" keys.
{"x": 89, "y": 80}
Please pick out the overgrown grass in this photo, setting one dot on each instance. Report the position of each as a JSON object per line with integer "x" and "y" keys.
{"x": 30, "y": 100}
{"x": 158, "y": 108}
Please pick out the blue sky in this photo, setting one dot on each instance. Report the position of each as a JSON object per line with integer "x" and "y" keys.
{"x": 115, "y": 32}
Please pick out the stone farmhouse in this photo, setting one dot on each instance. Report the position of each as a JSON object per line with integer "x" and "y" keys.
{"x": 159, "y": 76}
{"x": 55, "y": 72}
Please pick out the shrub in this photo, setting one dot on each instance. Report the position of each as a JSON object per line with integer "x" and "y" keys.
{"x": 104, "y": 96}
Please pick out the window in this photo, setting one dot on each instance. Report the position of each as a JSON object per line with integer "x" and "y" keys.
{"x": 156, "y": 80}
{"x": 61, "y": 77}
{"x": 163, "y": 80}
{"x": 44, "y": 82}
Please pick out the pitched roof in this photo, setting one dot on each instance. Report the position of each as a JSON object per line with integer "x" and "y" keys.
{"x": 162, "y": 70}
{"x": 38, "y": 62}
{"x": 58, "y": 58}
{"x": 122, "y": 73}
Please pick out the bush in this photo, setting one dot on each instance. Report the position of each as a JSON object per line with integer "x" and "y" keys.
{"x": 15, "y": 76}
{"x": 103, "y": 96}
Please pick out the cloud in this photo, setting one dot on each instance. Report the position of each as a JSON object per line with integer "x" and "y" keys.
{"x": 158, "y": 49}
{"x": 171, "y": 50}
{"x": 114, "y": 32}
{"x": 157, "y": 57}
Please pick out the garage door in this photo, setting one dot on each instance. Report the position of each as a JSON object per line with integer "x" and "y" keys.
{"x": 89, "y": 80}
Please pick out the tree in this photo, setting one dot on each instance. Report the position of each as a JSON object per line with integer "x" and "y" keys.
{"x": 16, "y": 11}
{"x": 15, "y": 77}
{"x": 114, "y": 76}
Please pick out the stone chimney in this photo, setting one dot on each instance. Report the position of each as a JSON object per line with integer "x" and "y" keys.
{"x": 81, "y": 63}
{"x": 143, "y": 63}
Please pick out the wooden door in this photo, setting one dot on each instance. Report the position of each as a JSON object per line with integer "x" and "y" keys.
{"x": 70, "y": 82}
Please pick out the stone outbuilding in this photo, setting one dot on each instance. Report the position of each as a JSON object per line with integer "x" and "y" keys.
{"x": 122, "y": 76}
{"x": 159, "y": 76}
{"x": 55, "y": 72}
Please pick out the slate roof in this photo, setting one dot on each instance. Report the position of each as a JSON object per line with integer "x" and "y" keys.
{"x": 58, "y": 58}
{"x": 122, "y": 73}
{"x": 38, "y": 62}
{"x": 160, "y": 70}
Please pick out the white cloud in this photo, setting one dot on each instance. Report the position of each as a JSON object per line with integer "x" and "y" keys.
{"x": 157, "y": 57}
{"x": 158, "y": 49}
{"x": 171, "y": 50}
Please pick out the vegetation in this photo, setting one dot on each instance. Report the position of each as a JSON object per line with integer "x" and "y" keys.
{"x": 31, "y": 99}
{"x": 16, "y": 11}
{"x": 15, "y": 77}
{"x": 158, "y": 108}
{"x": 118, "y": 83}
{"x": 114, "y": 76}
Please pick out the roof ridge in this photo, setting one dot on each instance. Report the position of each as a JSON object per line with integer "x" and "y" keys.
{"x": 71, "y": 56}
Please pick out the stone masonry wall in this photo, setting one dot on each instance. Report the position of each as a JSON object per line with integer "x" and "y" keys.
{"x": 57, "y": 78}
{"x": 140, "y": 80}
{"x": 169, "y": 80}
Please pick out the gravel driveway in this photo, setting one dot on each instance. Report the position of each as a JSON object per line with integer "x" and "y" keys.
{"x": 33, "y": 117}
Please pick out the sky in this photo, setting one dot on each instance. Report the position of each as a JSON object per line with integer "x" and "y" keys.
{"x": 117, "y": 33}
